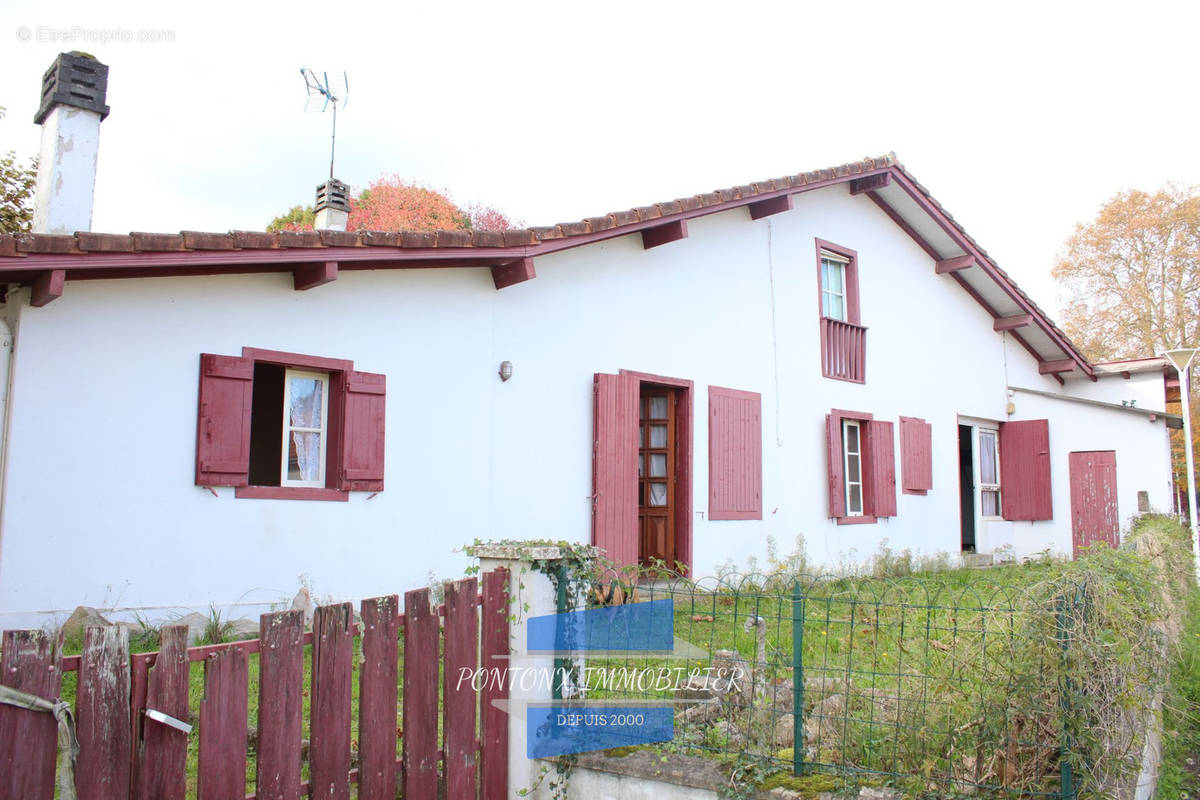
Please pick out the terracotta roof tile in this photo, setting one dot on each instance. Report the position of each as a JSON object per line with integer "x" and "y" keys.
{"x": 597, "y": 224}
{"x": 667, "y": 209}
{"x": 47, "y": 243}
{"x": 299, "y": 239}
{"x": 547, "y": 232}
{"x": 418, "y": 239}
{"x": 624, "y": 217}
{"x": 487, "y": 238}
{"x": 8, "y": 247}
{"x": 518, "y": 237}
{"x": 255, "y": 240}
{"x": 156, "y": 242}
{"x": 692, "y": 203}
{"x": 339, "y": 238}
{"x": 104, "y": 242}
{"x": 647, "y": 213}
{"x": 199, "y": 240}
{"x": 380, "y": 238}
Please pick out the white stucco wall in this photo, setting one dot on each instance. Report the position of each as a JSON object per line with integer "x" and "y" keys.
{"x": 100, "y": 506}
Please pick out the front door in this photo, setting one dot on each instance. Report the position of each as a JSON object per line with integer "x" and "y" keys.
{"x": 1094, "y": 499}
{"x": 656, "y": 476}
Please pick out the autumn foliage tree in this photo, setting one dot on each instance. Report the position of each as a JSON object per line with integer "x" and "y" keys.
{"x": 392, "y": 204}
{"x": 1132, "y": 282}
{"x": 17, "y": 182}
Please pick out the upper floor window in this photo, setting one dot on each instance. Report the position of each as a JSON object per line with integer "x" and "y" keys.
{"x": 833, "y": 285}
{"x": 843, "y": 338}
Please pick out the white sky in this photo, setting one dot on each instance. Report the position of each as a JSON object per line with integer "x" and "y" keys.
{"x": 1021, "y": 118}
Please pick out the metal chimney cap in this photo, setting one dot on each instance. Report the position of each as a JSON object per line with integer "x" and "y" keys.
{"x": 74, "y": 79}
{"x": 333, "y": 194}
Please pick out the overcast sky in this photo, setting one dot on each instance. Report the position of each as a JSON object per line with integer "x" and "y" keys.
{"x": 1021, "y": 118}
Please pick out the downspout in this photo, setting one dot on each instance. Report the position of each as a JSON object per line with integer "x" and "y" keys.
{"x": 6, "y": 377}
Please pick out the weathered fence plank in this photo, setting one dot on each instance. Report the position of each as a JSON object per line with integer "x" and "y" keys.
{"x": 329, "y": 720}
{"x": 162, "y": 765}
{"x": 459, "y": 696}
{"x": 280, "y": 705}
{"x": 377, "y": 690}
{"x": 28, "y": 739}
{"x": 222, "y": 761}
{"x": 420, "y": 695}
{"x": 494, "y": 647}
{"x": 102, "y": 715}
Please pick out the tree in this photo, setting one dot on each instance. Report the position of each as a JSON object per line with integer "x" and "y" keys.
{"x": 392, "y": 204}
{"x": 1132, "y": 277}
{"x": 17, "y": 184}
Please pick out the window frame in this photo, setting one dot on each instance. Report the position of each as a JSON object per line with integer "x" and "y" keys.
{"x": 848, "y": 423}
{"x": 338, "y": 370}
{"x": 850, "y": 283}
{"x": 323, "y": 430}
{"x": 862, "y": 419}
{"x": 997, "y": 487}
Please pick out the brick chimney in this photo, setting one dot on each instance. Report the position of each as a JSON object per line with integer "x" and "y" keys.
{"x": 333, "y": 206}
{"x": 73, "y": 93}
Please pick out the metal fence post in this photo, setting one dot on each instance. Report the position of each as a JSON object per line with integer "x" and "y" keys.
{"x": 1066, "y": 774}
{"x": 797, "y": 680}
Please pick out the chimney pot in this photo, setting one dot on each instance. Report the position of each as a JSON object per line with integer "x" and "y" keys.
{"x": 74, "y": 79}
{"x": 333, "y": 205}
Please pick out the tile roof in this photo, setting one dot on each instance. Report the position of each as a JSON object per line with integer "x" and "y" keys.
{"x": 522, "y": 242}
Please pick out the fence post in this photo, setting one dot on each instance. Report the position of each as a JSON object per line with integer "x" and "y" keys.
{"x": 1066, "y": 774}
{"x": 797, "y": 680}
{"x": 531, "y": 593}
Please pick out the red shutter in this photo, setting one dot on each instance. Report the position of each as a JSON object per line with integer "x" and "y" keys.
{"x": 1025, "y": 470}
{"x": 880, "y": 469}
{"x": 833, "y": 462}
{"x": 362, "y": 435}
{"x": 734, "y": 454}
{"x": 614, "y": 467}
{"x": 916, "y": 455}
{"x": 223, "y": 426}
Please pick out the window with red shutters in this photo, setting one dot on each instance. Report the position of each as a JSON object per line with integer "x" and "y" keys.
{"x": 860, "y": 467}
{"x": 843, "y": 338}
{"x": 916, "y": 455}
{"x": 331, "y": 441}
{"x": 734, "y": 454}
{"x": 1025, "y": 470}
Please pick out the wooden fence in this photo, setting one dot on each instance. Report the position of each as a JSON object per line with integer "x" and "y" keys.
{"x": 128, "y": 706}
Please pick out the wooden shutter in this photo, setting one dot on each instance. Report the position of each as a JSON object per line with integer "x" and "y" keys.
{"x": 879, "y": 469}
{"x": 363, "y": 432}
{"x": 916, "y": 455}
{"x": 1025, "y": 470}
{"x": 614, "y": 467}
{"x": 833, "y": 465}
{"x": 223, "y": 426}
{"x": 734, "y": 454}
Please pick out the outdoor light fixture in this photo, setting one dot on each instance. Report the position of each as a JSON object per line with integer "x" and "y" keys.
{"x": 1181, "y": 359}
{"x": 505, "y": 370}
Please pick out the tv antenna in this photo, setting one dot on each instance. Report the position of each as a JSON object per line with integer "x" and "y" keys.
{"x": 325, "y": 93}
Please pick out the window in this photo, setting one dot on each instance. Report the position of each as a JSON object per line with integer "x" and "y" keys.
{"x": 833, "y": 285}
{"x": 861, "y": 466}
{"x": 989, "y": 474}
{"x": 734, "y": 454}
{"x": 843, "y": 338}
{"x": 852, "y": 453}
{"x": 289, "y": 426}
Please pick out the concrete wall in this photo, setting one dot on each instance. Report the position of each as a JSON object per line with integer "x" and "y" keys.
{"x": 100, "y": 506}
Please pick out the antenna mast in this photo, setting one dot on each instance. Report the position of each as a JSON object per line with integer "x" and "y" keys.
{"x": 323, "y": 94}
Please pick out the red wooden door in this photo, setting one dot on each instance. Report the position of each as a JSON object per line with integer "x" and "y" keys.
{"x": 656, "y": 478}
{"x": 1094, "y": 499}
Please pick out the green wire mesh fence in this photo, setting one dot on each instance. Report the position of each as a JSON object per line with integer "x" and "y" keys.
{"x": 944, "y": 681}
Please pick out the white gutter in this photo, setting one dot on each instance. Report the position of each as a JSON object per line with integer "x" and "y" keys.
{"x": 1172, "y": 420}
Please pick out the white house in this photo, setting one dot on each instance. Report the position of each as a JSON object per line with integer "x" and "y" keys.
{"x": 203, "y": 418}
